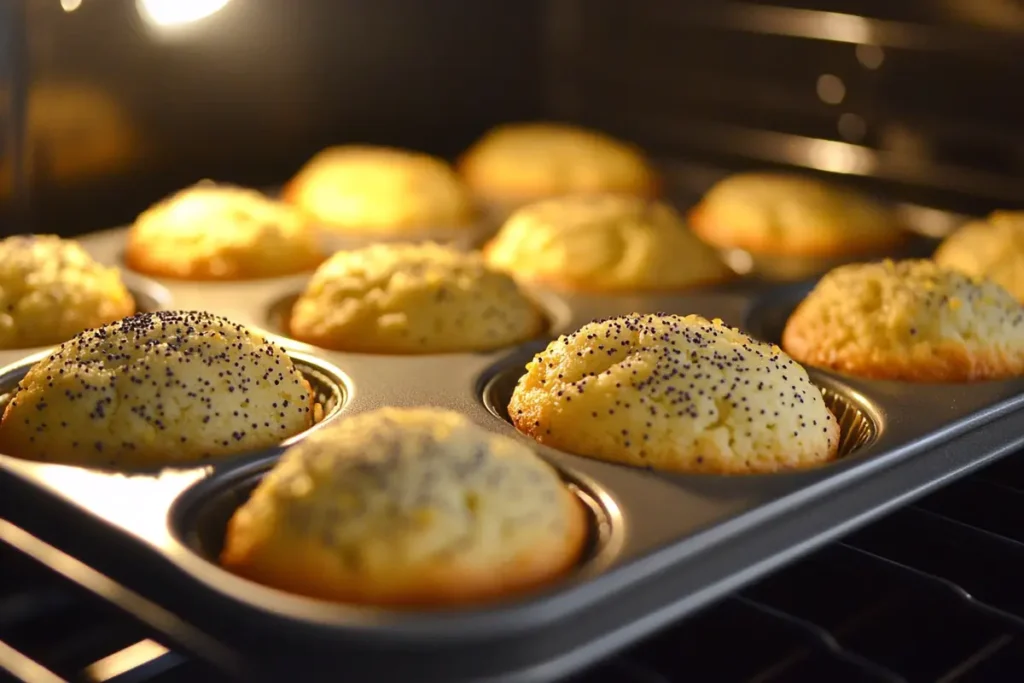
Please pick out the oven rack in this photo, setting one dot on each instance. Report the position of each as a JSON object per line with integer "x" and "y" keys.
{"x": 930, "y": 593}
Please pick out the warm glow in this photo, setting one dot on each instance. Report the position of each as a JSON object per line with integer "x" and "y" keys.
{"x": 137, "y": 504}
{"x": 70, "y": 5}
{"x": 178, "y": 12}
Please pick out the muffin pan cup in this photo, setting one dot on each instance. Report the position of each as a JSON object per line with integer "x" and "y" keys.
{"x": 662, "y": 545}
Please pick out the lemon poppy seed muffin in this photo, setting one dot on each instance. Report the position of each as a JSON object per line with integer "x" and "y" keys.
{"x": 674, "y": 393}
{"x": 51, "y": 289}
{"x": 216, "y": 231}
{"x": 153, "y": 390}
{"x": 992, "y": 248}
{"x": 791, "y": 215}
{"x": 908, "y": 320}
{"x": 412, "y": 298}
{"x": 407, "y": 507}
{"x": 519, "y": 163}
{"x": 603, "y": 243}
{"x": 380, "y": 191}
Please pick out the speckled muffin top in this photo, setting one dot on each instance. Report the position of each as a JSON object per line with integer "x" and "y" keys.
{"x": 411, "y": 506}
{"x": 51, "y": 289}
{"x": 790, "y": 215}
{"x": 674, "y": 393}
{"x": 523, "y": 162}
{"x": 603, "y": 243}
{"x": 909, "y": 320}
{"x": 381, "y": 190}
{"x": 156, "y": 389}
{"x": 992, "y": 248}
{"x": 216, "y": 231}
{"x": 412, "y": 298}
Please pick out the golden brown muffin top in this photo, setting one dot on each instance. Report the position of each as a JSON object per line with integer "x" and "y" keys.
{"x": 157, "y": 389}
{"x": 781, "y": 213}
{"x": 366, "y": 189}
{"x": 412, "y": 298}
{"x": 677, "y": 393}
{"x": 52, "y": 289}
{"x": 604, "y": 243}
{"x": 992, "y": 248}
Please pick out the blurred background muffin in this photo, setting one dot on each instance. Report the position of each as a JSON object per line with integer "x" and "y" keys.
{"x": 908, "y": 320}
{"x": 216, "y": 231}
{"x": 74, "y": 132}
{"x": 992, "y": 248}
{"x": 381, "y": 191}
{"x": 407, "y": 507}
{"x": 608, "y": 243}
{"x": 51, "y": 289}
{"x": 412, "y": 298}
{"x": 155, "y": 390}
{"x": 674, "y": 393}
{"x": 791, "y": 226}
{"x": 518, "y": 163}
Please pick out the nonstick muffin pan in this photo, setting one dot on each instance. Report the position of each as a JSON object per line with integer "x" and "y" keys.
{"x": 661, "y": 545}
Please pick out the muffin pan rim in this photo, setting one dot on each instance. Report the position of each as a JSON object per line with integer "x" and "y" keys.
{"x": 640, "y": 561}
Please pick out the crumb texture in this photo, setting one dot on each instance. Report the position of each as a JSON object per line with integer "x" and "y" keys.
{"x": 413, "y": 506}
{"x": 380, "y": 190}
{"x": 993, "y": 248}
{"x": 412, "y": 298}
{"x": 522, "y": 162}
{"x": 674, "y": 393}
{"x": 777, "y": 213}
{"x": 215, "y": 231}
{"x": 51, "y": 289}
{"x": 908, "y": 320}
{"x": 156, "y": 389}
{"x": 603, "y": 243}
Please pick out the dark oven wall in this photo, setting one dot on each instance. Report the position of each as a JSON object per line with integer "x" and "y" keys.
{"x": 918, "y": 97}
{"x": 921, "y": 94}
{"x": 121, "y": 113}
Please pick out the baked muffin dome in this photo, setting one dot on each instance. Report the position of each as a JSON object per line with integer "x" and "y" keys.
{"x": 222, "y": 232}
{"x": 908, "y": 320}
{"x": 412, "y": 298}
{"x": 674, "y": 393}
{"x": 51, "y": 289}
{"x": 523, "y": 162}
{"x": 790, "y": 215}
{"x": 407, "y": 507}
{"x": 603, "y": 243}
{"x": 156, "y": 389}
{"x": 380, "y": 190}
{"x": 993, "y": 248}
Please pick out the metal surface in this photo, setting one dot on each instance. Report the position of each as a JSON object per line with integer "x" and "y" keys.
{"x": 669, "y": 545}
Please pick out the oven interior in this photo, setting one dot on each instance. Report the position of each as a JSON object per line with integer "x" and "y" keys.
{"x": 106, "y": 111}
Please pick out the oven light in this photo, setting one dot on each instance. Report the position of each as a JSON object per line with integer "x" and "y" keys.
{"x": 178, "y": 12}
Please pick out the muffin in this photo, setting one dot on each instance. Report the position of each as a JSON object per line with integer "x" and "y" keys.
{"x": 407, "y": 507}
{"x": 674, "y": 393}
{"x": 51, "y": 289}
{"x": 608, "y": 243}
{"x": 789, "y": 215}
{"x": 993, "y": 248}
{"x": 74, "y": 133}
{"x": 908, "y": 320}
{"x": 381, "y": 191}
{"x": 155, "y": 390}
{"x": 520, "y": 163}
{"x": 221, "y": 232}
{"x": 410, "y": 299}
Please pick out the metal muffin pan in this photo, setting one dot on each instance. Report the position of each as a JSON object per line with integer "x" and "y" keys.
{"x": 662, "y": 544}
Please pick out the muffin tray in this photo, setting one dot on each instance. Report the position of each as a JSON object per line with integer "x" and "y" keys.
{"x": 661, "y": 545}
